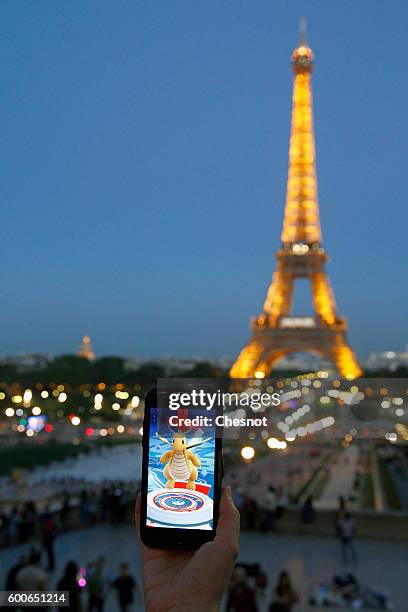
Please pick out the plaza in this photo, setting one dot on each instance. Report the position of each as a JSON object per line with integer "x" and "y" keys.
{"x": 382, "y": 564}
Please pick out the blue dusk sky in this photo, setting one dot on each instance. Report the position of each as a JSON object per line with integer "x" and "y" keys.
{"x": 144, "y": 163}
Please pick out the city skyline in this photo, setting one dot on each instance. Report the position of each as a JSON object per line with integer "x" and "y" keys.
{"x": 145, "y": 184}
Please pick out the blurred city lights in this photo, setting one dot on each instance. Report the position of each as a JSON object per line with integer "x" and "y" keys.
{"x": 98, "y": 401}
{"x": 27, "y": 397}
{"x": 122, "y": 394}
{"x": 36, "y": 423}
{"x": 135, "y": 401}
{"x": 274, "y": 443}
{"x": 248, "y": 453}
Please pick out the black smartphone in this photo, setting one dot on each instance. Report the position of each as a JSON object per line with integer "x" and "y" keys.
{"x": 181, "y": 474}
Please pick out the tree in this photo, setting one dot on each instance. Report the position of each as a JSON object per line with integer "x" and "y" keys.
{"x": 149, "y": 373}
{"x": 109, "y": 370}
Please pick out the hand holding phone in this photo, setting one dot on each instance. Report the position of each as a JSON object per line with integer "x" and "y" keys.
{"x": 186, "y": 580}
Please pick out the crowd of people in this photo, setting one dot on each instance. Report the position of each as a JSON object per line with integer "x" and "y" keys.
{"x": 247, "y": 591}
{"x": 75, "y": 504}
{"x": 83, "y": 505}
{"x": 261, "y": 513}
{"x": 264, "y": 513}
{"x": 88, "y": 586}
{"x": 27, "y": 524}
{"x": 248, "y": 585}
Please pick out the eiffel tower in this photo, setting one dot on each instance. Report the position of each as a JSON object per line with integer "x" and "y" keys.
{"x": 275, "y": 333}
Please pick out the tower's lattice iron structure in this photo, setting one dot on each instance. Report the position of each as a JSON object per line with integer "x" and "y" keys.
{"x": 275, "y": 333}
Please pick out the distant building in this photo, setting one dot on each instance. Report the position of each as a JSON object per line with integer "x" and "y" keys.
{"x": 175, "y": 365}
{"x": 27, "y": 361}
{"x": 86, "y": 350}
{"x": 170, "y": 364}
{"x": 387, "y": 360}
{"x": 134, "y": 363}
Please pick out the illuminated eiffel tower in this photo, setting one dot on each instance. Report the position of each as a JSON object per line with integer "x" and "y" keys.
{"x": 274, "y": 332}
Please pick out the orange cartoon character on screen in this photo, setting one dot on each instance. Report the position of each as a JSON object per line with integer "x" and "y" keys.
{"x": 181, "y": 463}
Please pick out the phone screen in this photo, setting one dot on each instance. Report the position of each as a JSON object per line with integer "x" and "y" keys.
{"x": 181, "y": 469}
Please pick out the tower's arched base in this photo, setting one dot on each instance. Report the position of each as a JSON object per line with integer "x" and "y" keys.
{"x": 267, "y": 346}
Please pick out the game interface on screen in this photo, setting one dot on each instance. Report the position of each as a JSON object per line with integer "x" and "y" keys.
{"x": 180, "y": 473}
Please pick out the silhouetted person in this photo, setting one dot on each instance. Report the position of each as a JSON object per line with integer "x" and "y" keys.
{"x": 28, "y": 521}
{"x": 13, "y": 525}
{"x": 308, "y": 511}
{"x": 84, "y": 508}
{"x": 69, "y": 583}
{"x": 124, "y": 585}
{"x": 249, "y": 509}
{"x": 282, "y": 502}
{"x": 96, "y": 586}
{"x": 261, "y": 581}
{"x": 284, "y": 595}
{"x": 341, "y": 504}
{"x": 10, "y": 584}
{"x": 3, "y": 528}
{"x": 32, "y": 577}
{"x": 270, "y": 506}
{"x": 48, "y": 534}
{"x": 241, "y": 597}
{"x": 346, "y": 530}
{"x": 65, "y": 512}
{"x": 104, "y": 504}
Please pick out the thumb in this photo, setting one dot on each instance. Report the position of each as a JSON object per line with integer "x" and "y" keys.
{"x": 228, "y": 523}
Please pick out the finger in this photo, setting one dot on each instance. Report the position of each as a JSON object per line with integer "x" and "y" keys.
{"x": 218, "y": 557}
{"x": 229, "y": 516}
{"x": 228, "y": 523}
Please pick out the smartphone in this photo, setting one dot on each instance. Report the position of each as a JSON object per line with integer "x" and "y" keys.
{"x": 181, "y": 475}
